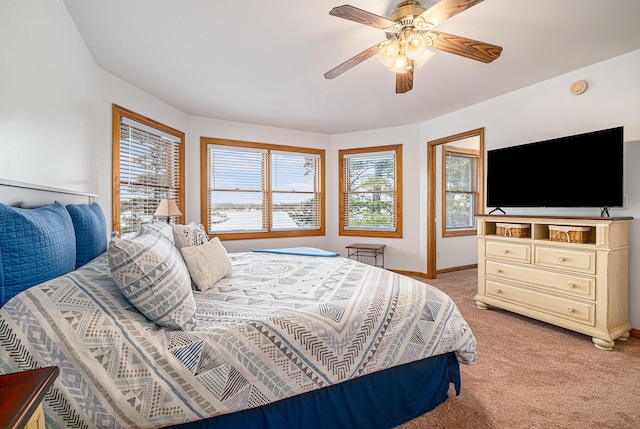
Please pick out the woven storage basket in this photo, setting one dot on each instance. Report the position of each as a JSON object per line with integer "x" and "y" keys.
{"x": 569, "y": 234}
{"x": 517, "y": 230}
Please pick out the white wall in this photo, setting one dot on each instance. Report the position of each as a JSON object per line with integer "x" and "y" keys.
{"x": 48, "y": 110}
{"x": 55, "y": 103}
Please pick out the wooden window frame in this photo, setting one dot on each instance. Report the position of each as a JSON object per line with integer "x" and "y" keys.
{"x": 117, "y": 114}
{"x": 397, "y": 190}
{"x": 204, "y": 189}
{"x": 467, "y": 152}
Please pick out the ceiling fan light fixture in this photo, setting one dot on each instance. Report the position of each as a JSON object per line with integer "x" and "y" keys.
{"x": 409, "y": 34}
{"x": 400, "y": 64}
{"x": 388, "y": 52}
{"x": 419, "y": 23}
{"x": 416, "y": 46}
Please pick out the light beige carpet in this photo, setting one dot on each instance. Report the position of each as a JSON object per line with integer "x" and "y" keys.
{"x": 530, "y": 374}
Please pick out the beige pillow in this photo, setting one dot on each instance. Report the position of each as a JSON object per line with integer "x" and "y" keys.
{"x": 207, "y": 263}
{"x": 188, "y": 235}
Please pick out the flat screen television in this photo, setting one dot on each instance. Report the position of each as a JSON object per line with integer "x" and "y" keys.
{"x": 584, "y": 170}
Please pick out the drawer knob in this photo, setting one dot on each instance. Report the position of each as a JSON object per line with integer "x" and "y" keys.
{"x": 561, "y": 258}
{"x": 570, "y": 309}
{"x": 505, "y": 251}
{"x": 498, "y": 290}
{"x": 498, "y": 270}
{"x": 572, "y": 286}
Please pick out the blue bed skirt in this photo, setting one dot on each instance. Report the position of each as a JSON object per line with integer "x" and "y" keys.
{"x": 381, "y": 400}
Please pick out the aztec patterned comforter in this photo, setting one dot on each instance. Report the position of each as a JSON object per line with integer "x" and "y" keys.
{"x": 280, "y": 325}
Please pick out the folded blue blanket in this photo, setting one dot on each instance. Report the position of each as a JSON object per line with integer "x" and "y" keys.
{"x": 300, "y": 251}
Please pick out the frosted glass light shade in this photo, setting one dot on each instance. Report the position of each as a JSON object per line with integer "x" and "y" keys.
{"x": 400, "y": 64}
{"x": 387, "y": 52}
{"x": 416, "y": 46}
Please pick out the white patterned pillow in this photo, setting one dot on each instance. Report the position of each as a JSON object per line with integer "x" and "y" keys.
{"x": 152, "y": 275}
{"x": 189, "y": 235}
{"x": 156, "y": 227}
{"x": 207, "y": 263}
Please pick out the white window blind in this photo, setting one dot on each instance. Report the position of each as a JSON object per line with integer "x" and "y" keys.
{"x": 370, "y": 191}
{"x": 149, "y": 172}
{"x": 237, "y": 200}
{"x": 253, "y": 190}
{"x": 295, "y": 191}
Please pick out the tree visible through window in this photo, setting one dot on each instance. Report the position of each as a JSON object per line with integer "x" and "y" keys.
{"x": 147, "y": 167}
{"x": 253, "y": 190}
{"x": 460, "y": 180}
{"x": 370, "y": 191}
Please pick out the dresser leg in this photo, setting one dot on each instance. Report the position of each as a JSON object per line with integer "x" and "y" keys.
{"x": 624, "y": 337}
{"x": 603, "y": 344}
{"x": 481, "y": 305}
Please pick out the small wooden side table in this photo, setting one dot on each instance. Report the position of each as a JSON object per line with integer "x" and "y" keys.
{"x": 21, "y": 395}
{"x": 358, "y": 250}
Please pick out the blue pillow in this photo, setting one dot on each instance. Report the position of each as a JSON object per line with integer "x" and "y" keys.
{"x": 91, "y": 231}
{"x": 36, "y": 245}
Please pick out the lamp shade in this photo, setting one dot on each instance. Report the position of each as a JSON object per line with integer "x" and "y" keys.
{"x": 416, "y": 46}
{"x": 167, "y": 208}
{"x": 400, "y": 64}
{"x": 387, "y": 52}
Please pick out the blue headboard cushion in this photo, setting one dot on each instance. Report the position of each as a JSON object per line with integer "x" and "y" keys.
{"x": 90, "y": 231}
{"x": 36, "y": 245}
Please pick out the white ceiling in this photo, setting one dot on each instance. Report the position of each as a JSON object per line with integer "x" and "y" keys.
{"x": 262, "y": 62}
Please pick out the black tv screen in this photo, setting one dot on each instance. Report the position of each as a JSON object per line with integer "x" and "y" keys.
{"x": 584, "y": 170}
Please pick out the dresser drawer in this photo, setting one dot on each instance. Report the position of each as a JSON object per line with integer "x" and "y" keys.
{"x": 566, "y": 259}
{"x": 562, "y": 307}
{"x": 509, "y": 251}
{"x": 579, "y": 286}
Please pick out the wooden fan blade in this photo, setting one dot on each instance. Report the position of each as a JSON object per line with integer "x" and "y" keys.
{"x": 445, "y": 9}
{"x": 361, "y": 16}
{"x": 351, "y": 62}
{"x": 464, "y": 47}
{"x": 404, "y": 81}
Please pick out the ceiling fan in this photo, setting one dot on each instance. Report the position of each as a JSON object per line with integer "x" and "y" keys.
{"x": 409, "y": 33}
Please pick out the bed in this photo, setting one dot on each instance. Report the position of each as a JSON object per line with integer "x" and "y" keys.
{"x": 280, "y": 341}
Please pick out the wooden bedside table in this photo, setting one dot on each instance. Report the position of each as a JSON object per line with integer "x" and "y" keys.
{"x": 21, "y": 395}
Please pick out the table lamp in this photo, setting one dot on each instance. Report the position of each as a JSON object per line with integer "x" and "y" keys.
{"x": 167, "y": 208}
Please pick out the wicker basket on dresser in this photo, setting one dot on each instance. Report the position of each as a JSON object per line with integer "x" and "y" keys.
{"x": 582, "y": 286}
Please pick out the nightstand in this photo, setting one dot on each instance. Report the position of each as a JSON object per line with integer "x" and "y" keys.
{"x": 21, "y": 395}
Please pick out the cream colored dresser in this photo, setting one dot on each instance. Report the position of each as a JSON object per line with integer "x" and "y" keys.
{"x": 578, "y": 286}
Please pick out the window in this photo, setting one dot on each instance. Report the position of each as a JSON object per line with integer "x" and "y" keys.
{"x": 256, "y": 190}
{"x": 460, "y": 190}
{"x": 371, "y": 191}
{"x": 147, "y": 166}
